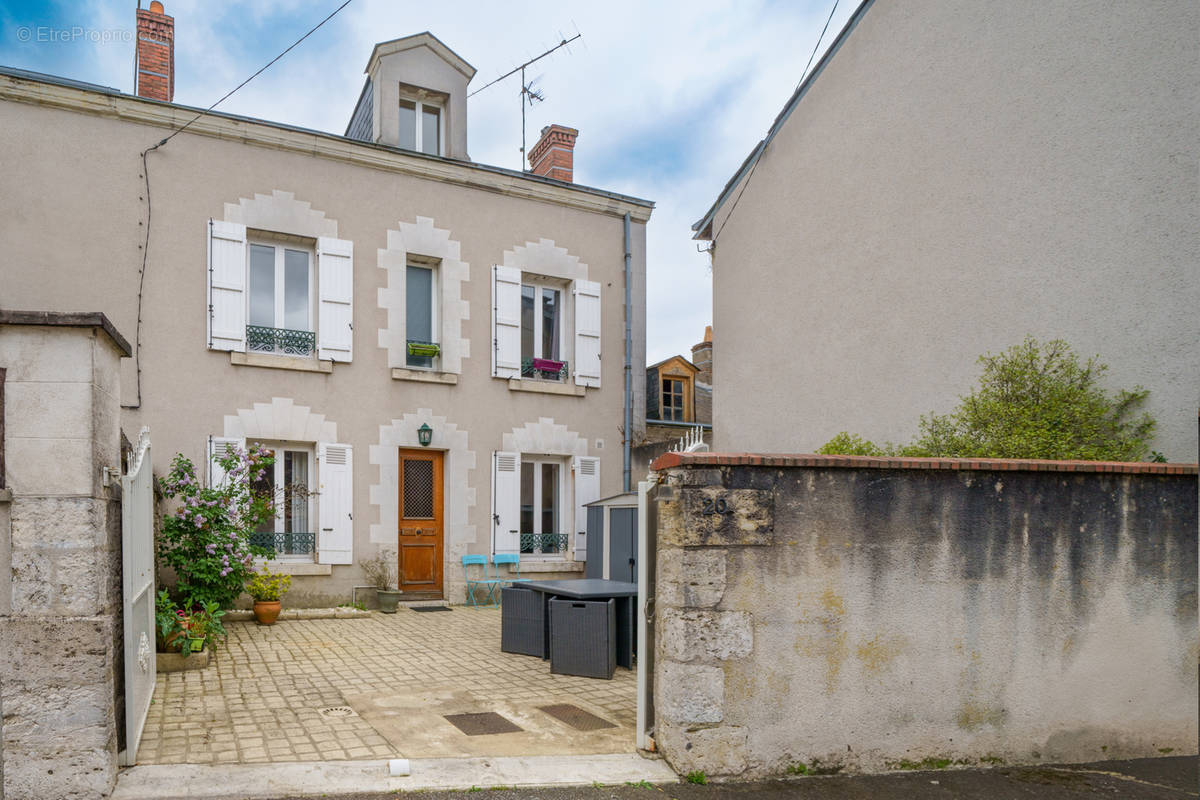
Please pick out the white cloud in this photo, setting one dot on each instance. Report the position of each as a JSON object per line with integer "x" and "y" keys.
{"x": 669, "y": 97}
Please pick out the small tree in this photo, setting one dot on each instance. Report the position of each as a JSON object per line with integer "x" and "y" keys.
{"x": 206, "y": 541}
{"x": 1033, "y": 401}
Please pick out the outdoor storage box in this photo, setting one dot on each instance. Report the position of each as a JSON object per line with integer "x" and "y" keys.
{"x": 583, "y": 637}
{"x": 522, "y": 622}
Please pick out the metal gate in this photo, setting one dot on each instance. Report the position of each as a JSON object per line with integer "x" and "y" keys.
{"x": 137, "y": 553}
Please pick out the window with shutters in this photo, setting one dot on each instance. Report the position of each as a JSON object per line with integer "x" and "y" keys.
{"x": 280, "y": 289}
{"x": 291, "y": 482}
{"x": 543, "y": 529}
{"x": 543, "y": 342}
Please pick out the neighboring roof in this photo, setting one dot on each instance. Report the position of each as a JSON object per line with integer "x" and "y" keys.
{"x": 311, "y": 142}
{"x": 624, "y": 498}
{"x": 71, "y": 319}
{"x": 703, "y": 227}
{"x": 425, "y": 39}
{"x": 673, "y": 358}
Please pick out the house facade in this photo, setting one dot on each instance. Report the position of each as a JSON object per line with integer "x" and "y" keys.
{"x": 950, "y": 178}
{"x": 432, "y": 348}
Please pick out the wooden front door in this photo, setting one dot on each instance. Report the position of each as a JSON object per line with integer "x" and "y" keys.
{"x": 420, "y": 533}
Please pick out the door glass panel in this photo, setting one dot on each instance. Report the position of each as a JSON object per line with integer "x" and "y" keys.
{"x": 262, "y": 285}
{"x": 418, "y": 489}
{"x": 418, "y": 301}
{"x": 430, "y": 123}
{"x": 550, "y": 321}
{"x": 528, "y": 294}
{"x": 408, "y": 125}
{"x": 527, "y": 474}
{"x": 265, "y": 484}
{"x": 549, "y": 507}
{"x": 295, "y": 483}
{"x": 295, "y": 290}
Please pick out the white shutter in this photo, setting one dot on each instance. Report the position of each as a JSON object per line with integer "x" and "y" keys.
{"x": 506, "y": 322}
{"x": 506, "y": 502}
{"x": 587, "y": 490}
{"x": 587, "y": 333}
{"x": 335, "y": 473}
{"x": 335, "y": 311}
{"x": 226, "y": 286}
{"x": 220, "y": 445}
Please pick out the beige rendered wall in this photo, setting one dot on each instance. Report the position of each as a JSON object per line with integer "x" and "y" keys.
{"x": 959, "y": 175}
{"x": 849, "y": 617}
{"x": 72, "y": 220}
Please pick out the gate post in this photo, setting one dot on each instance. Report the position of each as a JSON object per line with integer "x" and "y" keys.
{"x": 60, "y": 622}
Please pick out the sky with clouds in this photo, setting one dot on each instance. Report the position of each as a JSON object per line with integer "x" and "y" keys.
{"x": 669, "y": 97}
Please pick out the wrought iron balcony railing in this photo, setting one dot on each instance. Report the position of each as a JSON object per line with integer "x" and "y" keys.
{"x": 286, "y": 544}
{"x": 260, "y": 339}
{"x": 535, "y": 543}
{"x": 543, "y": 369}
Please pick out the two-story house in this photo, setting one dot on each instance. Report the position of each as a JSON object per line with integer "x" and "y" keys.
{"x": 431, "y": 347}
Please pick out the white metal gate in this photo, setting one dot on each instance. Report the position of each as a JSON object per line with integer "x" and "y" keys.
{"x": 137, "y": 552}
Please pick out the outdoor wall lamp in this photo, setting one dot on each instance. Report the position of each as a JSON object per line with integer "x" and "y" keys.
{"x": 424, "y": 434}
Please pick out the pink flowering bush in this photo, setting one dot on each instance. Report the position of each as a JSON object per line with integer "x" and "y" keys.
{"x": 206, "y": 541}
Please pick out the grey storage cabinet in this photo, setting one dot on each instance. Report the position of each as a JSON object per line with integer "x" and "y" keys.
{"x": 612, "y": 546}
{"x": 583, "y": 638}
{"x": 522, "y": 622}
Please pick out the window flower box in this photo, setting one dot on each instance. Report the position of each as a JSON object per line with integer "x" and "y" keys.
{"x": 423, "y": 349}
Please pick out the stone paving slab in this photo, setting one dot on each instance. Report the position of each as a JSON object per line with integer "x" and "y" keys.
{"x": 261, "y": 698}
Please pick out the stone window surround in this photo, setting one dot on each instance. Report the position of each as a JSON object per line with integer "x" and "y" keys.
{"x": 547, "y": 438}
{"x": 544, "y": 259}
{"x": 457, "y": 534}
{"x": 427, "y": 242}
{"x": 282, "y": 420}
{"x": 280, "y": 213}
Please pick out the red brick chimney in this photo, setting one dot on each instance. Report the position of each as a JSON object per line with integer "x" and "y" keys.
{"x": 155, "y": 53}
{"x": 554, "y": 154}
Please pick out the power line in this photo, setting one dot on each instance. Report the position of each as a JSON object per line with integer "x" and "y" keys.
{"x": 137, "y": 337}
{"x": 252, "y": 77}
{"x": 758, "y": 157}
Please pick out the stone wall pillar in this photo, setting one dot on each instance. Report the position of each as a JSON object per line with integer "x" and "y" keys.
{"x": 60, "y": 527}
{"x": 698, "y": 633}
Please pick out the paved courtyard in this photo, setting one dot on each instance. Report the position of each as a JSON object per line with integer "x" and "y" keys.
{"x": 305, "y": 690}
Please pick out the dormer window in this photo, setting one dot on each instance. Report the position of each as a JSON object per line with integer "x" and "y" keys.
{"x": 421, "y": 120}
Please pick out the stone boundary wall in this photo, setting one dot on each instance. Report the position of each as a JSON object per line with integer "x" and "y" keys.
{"x": 858, "y": 614}
{"x": 60, "y": 526}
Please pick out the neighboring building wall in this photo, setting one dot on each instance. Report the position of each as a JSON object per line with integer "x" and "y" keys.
{"x": 958, "y": 175}
{"x": 854, "y": 614}
{"x": 60, "y": 618}
{"x": 361, "y": 193}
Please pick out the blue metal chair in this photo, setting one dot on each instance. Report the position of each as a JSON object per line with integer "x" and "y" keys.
{"x": 485, "y": 582}
{"x": 508, "y": 558}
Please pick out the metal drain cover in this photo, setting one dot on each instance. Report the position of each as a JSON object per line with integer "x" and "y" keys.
{"x": 338, "y": 711}
{"x": 427, "y": 609}
{"x": 576, "y": 717}
{"x": 481, "y": 724}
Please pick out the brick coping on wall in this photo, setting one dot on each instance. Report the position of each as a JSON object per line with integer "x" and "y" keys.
{"x": 669, "y": 460}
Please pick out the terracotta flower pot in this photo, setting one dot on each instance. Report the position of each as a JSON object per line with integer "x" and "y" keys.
{"x": 267, "y": 611}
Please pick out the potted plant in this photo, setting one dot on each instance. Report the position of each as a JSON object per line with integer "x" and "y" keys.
{"x": 381, "y": 573}
{"x": 267, "y": 588}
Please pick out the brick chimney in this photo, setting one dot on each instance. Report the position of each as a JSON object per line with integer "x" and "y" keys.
{"x": 702, "y": 357}
{"x": 155, "y": 53}
{"x": 554, "y": 154}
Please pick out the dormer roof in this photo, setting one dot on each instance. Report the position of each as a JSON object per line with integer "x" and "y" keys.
{"x": 425, "y": 39}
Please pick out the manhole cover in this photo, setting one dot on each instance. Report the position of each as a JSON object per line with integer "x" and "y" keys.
{"x": 337, "y": 711}
{"x": 427, "y": 609}
{"x": 576, "y": 717}
{"x": 480, "y": 724}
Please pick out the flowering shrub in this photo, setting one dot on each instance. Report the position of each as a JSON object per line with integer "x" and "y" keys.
{"x": 206, "y": 541}
{"x": 267, "y": 585}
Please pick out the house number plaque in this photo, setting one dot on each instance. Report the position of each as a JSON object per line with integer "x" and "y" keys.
{"x": 715, "y": 516}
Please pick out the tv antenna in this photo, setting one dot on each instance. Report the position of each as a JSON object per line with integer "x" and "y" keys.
{"x": 528, "y": 93}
